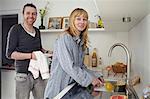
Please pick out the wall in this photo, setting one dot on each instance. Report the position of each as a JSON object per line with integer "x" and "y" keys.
{"x": 56, "y": 8}
{"x": 101, "y": 40}
{"x": 139, "y": 43}
{"x": 63, "y": 8}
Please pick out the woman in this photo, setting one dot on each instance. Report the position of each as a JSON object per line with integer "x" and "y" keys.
{"x": 67, "y": 64}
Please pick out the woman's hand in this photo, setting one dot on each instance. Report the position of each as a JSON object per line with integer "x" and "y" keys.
{"x": 97, "y": 82}
{"x": 102, "y": 80}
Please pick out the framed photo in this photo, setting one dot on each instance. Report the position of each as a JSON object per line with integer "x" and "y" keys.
{"x": 65, "y": 23}
{"x": 55, "y": 23}
{"x": 92, "y": 24}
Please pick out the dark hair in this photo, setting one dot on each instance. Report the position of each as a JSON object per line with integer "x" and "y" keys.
{"x": 28, "y": 5}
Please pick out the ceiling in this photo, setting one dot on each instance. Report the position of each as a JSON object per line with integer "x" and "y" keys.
{"x": 112, "y": 12}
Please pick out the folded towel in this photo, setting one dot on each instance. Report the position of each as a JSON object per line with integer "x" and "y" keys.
{"x": 39, "y": 65}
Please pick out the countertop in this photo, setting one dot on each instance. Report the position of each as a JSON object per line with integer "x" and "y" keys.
{"x": 78, "y": 92}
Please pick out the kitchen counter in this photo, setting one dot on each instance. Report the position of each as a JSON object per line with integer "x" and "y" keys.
{"x": 75, "y": 91}
{"x": 78, "y": 92}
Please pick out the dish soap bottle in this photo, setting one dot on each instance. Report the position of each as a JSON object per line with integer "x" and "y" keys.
{"x": 100, "y": 23}
{"x": 94, "y": 58}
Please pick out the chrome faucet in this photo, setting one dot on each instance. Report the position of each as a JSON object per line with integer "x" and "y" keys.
{"x": 128, "y": 58}
{"x": 130, "y": 90}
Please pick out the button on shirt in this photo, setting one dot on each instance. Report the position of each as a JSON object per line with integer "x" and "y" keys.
{"x": 67, "y": 66}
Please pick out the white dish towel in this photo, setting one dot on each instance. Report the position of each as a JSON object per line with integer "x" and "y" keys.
{"x": 39, "y": 65}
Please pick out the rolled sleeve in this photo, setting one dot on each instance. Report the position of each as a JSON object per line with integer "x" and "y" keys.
{"x": 65, "y": 57}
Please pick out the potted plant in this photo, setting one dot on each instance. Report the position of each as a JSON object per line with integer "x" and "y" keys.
{"x": 43, "y": 12}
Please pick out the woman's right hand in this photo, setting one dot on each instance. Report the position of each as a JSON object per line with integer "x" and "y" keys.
{"x": 97, "y": 82}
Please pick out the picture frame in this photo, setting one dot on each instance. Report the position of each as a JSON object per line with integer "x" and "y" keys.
{"x": 92, "y": 24}
{"x": 65, "y": 22}
{"x": 55, "y": 23}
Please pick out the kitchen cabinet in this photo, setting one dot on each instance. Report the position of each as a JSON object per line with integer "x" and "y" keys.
{"x": 61, "y": 30}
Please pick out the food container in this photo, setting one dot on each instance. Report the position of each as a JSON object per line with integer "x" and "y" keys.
{"x": 118, "y": 97}
{"x": 121, "y": 86}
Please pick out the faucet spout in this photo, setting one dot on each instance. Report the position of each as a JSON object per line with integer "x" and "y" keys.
{"x": 128, "y": 58}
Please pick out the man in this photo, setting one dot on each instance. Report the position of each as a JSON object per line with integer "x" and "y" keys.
{"x": 22, "y": 40}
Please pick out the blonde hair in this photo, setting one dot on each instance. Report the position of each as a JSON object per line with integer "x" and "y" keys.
{"x": 72, "y": 30}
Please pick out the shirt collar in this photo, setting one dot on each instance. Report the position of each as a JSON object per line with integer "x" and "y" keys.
{"x": 78, "y": 40}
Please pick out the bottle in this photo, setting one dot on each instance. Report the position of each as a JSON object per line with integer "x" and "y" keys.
{"x": 87, "y": 58}
{"x": 94, "y": 58}
{"x": 100, "y": 61}
{"x": 100, "y": 23}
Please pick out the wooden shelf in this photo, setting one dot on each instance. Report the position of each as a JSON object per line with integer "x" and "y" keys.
{"x": 51, "y": 30}
{"x": 96, "y": 29}
{"x": 61, "y": 30}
